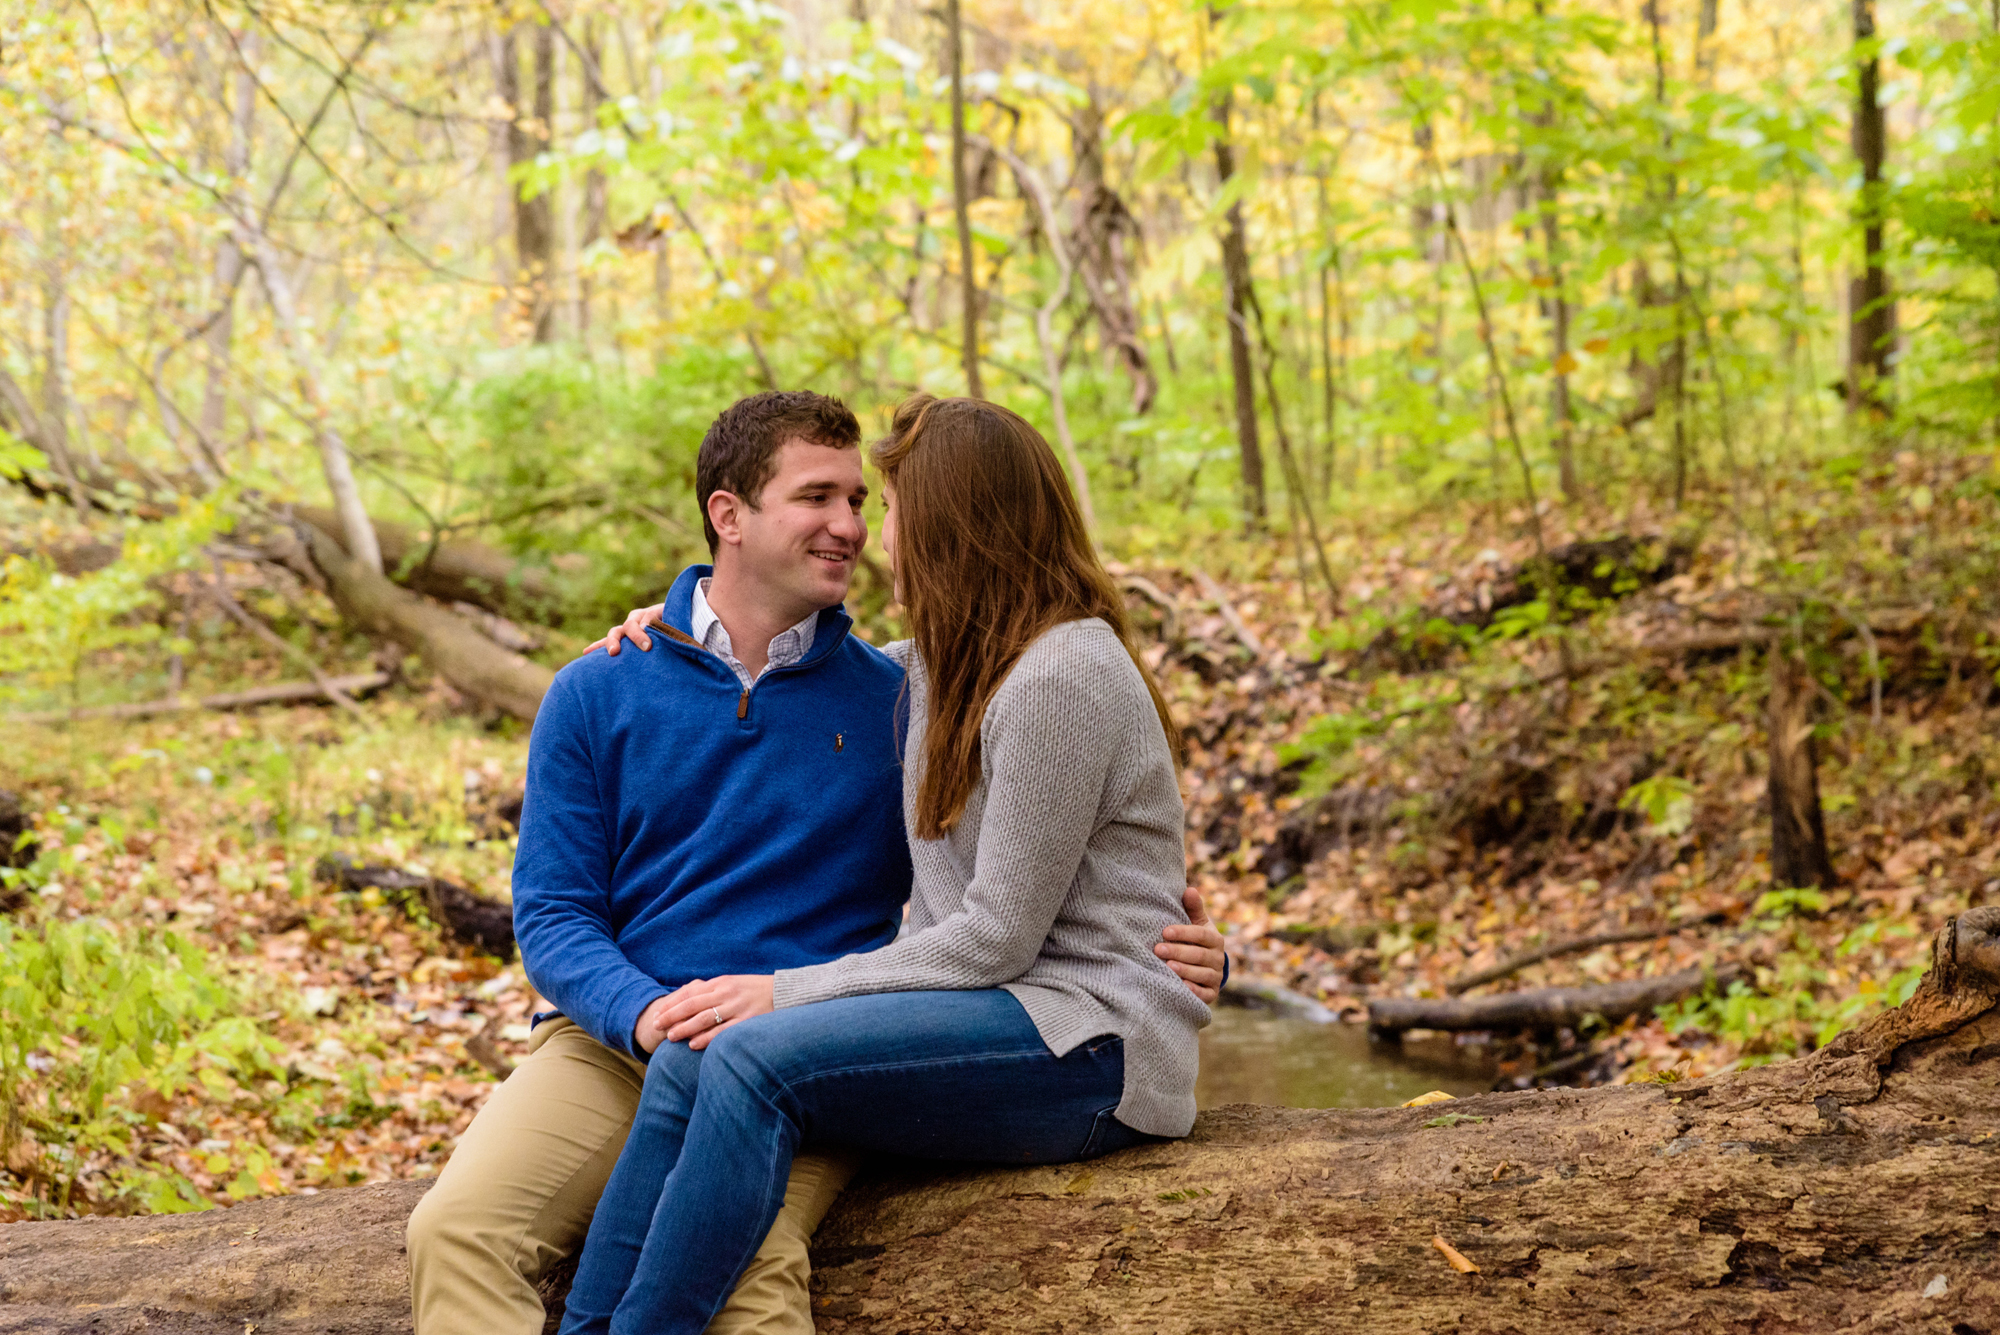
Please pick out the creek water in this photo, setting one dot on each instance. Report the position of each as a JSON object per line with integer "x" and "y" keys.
{"x": 1257, "y": 1056}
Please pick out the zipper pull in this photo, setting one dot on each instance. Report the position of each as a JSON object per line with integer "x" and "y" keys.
{"x": 743, "y": 705}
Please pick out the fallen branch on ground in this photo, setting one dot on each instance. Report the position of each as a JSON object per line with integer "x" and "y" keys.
{"x": 1232, "y": 618}
{"x": 282, "y": 693}
{"x": 463, "y": 915}
{"x": 1545, "y": 1007}
{"x": 219, "y": 594}
{"x": 1555, "y": 949}
{"x": 1826, "y": 1193}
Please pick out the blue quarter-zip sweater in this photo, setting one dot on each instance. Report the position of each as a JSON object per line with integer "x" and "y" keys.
{"x": 679, "y": 827}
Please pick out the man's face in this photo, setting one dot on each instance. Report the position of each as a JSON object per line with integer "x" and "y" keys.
{"x": 800, "y": 544}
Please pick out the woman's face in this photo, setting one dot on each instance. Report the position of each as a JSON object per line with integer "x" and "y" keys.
{"x": 889, "y": 538}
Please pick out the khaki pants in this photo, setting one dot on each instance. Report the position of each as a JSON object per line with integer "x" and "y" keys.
{"x": 519, "y": 1191}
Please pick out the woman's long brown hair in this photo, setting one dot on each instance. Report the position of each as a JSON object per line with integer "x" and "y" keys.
{"x": 991, "y": 552}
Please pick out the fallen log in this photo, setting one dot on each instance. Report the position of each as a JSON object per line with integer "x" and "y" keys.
{"x": 1574, "y": 945}
{"x": 458, "y": 570}
{"x": 1544, "y": 1007}
{"x": 463, "y": 916}
{"x": 352, "y": 685}
{"x": 449, "y": 644}
{"x": 1853, "y": 1187}
{"x": 1255, "y": 993}
{"x": 1212, "y": 590}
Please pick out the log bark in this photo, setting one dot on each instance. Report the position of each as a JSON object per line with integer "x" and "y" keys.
{"x": 1853, "y": 1187}
{"x": 448, "y": 643}
{"x": 1544, "y": 1007}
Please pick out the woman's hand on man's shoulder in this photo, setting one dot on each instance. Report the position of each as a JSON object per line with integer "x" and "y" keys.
{"x": 632, "y": 628}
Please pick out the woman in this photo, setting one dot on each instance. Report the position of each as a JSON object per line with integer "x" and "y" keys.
{"x": 1023, "y": 1017}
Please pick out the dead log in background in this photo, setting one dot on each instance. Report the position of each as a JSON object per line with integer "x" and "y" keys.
{"x": 462, "y": 915}
{"x": 1820, "y": 1194}
{"x": 458, "y": 570}
{"x": 449, "y": 644}
{"x": 1799, "y": 855}
{"x": 1545, "y": 1008}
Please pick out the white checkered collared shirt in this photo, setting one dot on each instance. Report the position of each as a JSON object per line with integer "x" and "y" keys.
{"x": 788, "y": 648}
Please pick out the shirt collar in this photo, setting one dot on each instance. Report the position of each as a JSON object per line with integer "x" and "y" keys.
{"x": 703, "y": 621}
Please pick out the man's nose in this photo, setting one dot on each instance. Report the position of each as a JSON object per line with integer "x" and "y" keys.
{"x": 851, "y": 527}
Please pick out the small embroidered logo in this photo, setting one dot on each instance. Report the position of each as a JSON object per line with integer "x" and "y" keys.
{"x": 839, "y": 740}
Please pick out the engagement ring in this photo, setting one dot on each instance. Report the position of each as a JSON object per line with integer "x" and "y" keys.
{"x": 717, "y": 1013}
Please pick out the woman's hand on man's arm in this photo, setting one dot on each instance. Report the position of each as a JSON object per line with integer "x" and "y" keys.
{"x": 696, "y": 1013}
{"x": 1194, "y": 951}
{"x": 632, "y": 628}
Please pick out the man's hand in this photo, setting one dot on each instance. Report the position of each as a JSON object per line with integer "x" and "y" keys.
{"x": 649, "y": 1032}
{"x": 704, "y": 1008}
{"x": 1194, "y": 951}
{"x": 632, "y": 628}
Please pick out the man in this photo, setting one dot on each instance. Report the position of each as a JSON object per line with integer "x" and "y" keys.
{"x": 729, "y": 802}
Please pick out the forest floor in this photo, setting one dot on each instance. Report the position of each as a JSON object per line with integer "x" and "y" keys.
{"x": 1383, "y": 795}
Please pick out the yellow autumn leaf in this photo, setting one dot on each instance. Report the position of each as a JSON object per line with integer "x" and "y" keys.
{"x": 1594, "y": 346}
{"x": 1453, "y": 1256}
{"x": 1425, "y": 1100}
{"x": 1566, "y": 363}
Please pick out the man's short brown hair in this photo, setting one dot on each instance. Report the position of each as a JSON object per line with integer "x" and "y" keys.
{"x": 739, "y": 453}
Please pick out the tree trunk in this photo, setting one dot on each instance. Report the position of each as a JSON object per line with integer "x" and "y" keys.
{"x": 1871, "y": 315}
{"x": 1032, "y": 186}
{"x": 229, "y": 258}
{"x": 356, "y": 531}
{"x": 1104, "y": 228}
{"x": 527, "y": 137}
{"x": 1555, "y": 306}
{"x": 1798, "y": 830}
{"x": 1236, "y": 277}
{"x": 54, "y": 417}
{"x": 1853, "y": 1187}
{"x": 968, "y": 279}
{"x": 596, "y": 190}
{"x": 458, "y": 570}
{"x": 471, "y": 662}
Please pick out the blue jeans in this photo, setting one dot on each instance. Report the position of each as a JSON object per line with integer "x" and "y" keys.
{"x": 938, "y": 1075}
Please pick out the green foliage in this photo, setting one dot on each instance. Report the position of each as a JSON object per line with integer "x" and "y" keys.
{"x": 1787, "y": 902}
{"x": 17, "y": 456}
{"x": 1667, "y": 800}
{"x": 50, "y": 622}
{"x": 90, "y": 1016}
{"x": 1454, "y": 1119}
{"x": 1329, "y": 745}
{"x": 1793, "y": 1003}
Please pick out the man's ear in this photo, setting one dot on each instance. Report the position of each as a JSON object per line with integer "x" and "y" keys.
{"x": 725, "y": 512}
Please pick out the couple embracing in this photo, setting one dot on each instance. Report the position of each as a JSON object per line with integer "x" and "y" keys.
{"x": 720, "y": 838}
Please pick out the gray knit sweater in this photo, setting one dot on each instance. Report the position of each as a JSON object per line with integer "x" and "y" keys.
{"x": 1058, "y": 878}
